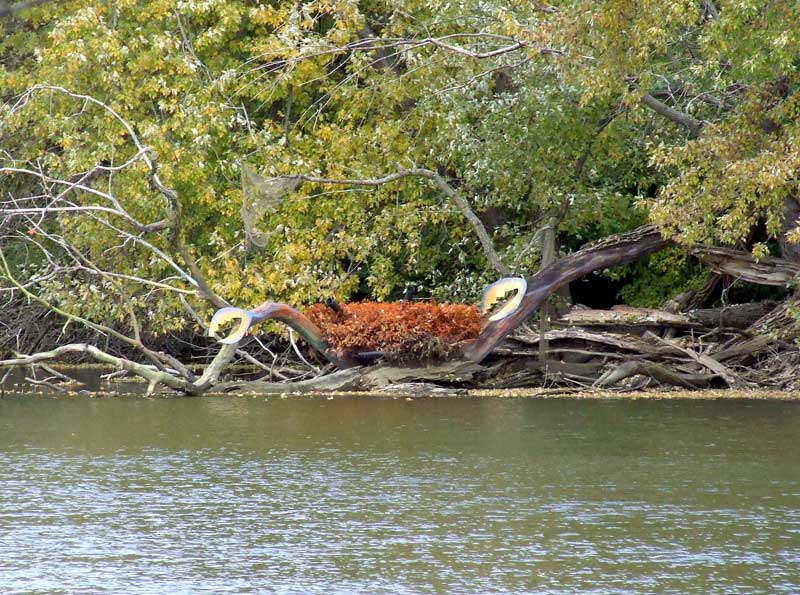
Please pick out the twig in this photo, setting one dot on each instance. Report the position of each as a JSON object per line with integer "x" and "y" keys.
{"x": 160, "y": 359}
{"x": 171, "y": 222}
{"x": 297, "y": 351}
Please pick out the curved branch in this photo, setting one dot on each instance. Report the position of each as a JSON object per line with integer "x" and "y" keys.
{"x": 294, "y": 319}
{"x": 614, "y": 251}
{"x": 307, "y": 329}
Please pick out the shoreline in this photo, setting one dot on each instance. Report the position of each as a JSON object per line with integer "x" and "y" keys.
{"x": 416, "y": 392}
{"x": 133, "y": 387}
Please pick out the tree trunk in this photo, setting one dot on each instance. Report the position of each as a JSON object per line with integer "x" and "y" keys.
{"x": 739, "y": 316}
{"x": 743, "y": 265}
{"x": 791, "y": 219}
{"x": 614, "y": 251}
{"x": 545, "y": 312}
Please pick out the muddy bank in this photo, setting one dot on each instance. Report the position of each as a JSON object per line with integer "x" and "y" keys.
{"x": 100, "y": 382}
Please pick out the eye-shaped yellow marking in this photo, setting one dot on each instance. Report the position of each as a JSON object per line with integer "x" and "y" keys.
{"x": 498, "y": 290}
{"x": 226, "y": 315}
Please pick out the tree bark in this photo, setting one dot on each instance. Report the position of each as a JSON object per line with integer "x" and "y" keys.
{"x": 739, "y": 316}
{"x": 614, "y": 251}
{"x": 743, "y": 265}
{"x": 791, "y": 219}
{"x": 545, "y": 312}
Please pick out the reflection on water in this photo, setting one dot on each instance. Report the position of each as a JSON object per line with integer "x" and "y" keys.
{"x": 239, "y": 495}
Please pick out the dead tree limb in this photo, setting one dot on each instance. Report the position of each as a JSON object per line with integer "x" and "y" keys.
{"x": 161, "y": 360}
{"x": 369, "y": 378}
{"x": 657, "y": 372}
{"x": 614, "y": 251}
{"x": 743, "y": 265}
{"x": 734, "y": 316}
{"x": 704, "y": 360}
{"x": 738, "y": 316}
{"x": 150, "y": 373}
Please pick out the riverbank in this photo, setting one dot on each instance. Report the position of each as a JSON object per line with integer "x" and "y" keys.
{"x": 405, "y": 391}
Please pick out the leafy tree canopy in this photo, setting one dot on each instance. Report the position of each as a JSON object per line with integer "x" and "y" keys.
{"x": 594, "y": 116}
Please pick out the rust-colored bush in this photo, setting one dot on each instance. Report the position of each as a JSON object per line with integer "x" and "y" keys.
{"x": 421, "y": 329}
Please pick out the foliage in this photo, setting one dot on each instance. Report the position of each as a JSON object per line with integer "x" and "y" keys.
{"x": 557, "y": 126}
{"x": 396, "y": 327}
{"x": 661, "y": 276}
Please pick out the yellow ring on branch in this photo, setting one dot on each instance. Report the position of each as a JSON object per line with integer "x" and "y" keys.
{"x": 226, "y": 315}
{"x": 497, "y": 291}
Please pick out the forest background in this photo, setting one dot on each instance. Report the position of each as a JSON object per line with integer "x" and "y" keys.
{"x": 480, "y": 138}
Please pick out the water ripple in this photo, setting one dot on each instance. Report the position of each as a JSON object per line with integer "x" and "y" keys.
{"x": 379, "y": 497}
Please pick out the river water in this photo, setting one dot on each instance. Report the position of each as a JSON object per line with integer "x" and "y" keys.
{"x": 354, "y": 495}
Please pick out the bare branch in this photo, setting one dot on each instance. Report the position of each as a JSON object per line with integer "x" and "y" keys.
{"x": 212, "y": 373}
{"x": 469, "y": 53}
{"x": 386, "y": 48}
{"x": 77, "y": 186}
{"x": 161, "y": 360}
{"x": 742, "y": 265}
{"x": 147, "y": 154}
{"x": 707, "y": 362}
{"x": 171, "y": 222}
{"x": 693, "y": 124}
{"x": 153, "y": 375}
{"x": 657, "y": 372}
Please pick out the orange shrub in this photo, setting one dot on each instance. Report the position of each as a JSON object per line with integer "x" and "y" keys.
{"x": 397, "y": 328}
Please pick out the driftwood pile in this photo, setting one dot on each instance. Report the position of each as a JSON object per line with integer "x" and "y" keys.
{"x": 687, "y": 346}
{"x": 739, "y": 346}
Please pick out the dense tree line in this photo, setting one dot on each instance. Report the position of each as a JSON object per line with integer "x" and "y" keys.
{"x": 439, "y": 143}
